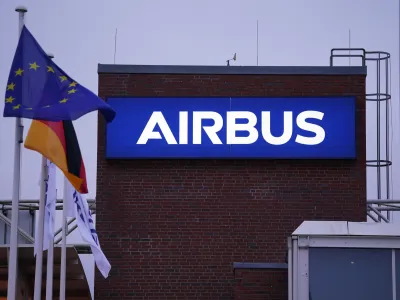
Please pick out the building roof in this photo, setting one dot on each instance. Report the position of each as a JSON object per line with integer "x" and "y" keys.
{"x": 231, "y": 70}
{"x": 77, "y": 287}
{"x": 344, "y": 228}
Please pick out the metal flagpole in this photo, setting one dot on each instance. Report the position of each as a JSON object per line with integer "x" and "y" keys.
{"x": 49, "y": 275}
{"x": 39, "y": 237}
{"x": 50, "y": 257}
{"x": 13, "y": 255}
{"x": 63, "y": 270}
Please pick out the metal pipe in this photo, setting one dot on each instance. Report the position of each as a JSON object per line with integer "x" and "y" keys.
{"x": 8, "y": 208}
{"x": 50, "y": 251}
{"x": 32, "y": 201}
{"x": 372, "y": 217}
{"x": 22, "y": 232}
{"x": 379, "y": 214}
{"x": 387, "y": 209}
{"x": 60, "y": 229}
{"x": 387, "y": 133}
{"x": 63, "y": 271}
{"x": 93, "y": 210}
{"x": 70, "y": 230}
{"x": 50, "y": 270}
{"x": 382, "y": 201}
{"x": 68, "y": 223}
{"x": 378, "y": 130}
{"x": 18, "y": 139}
{"x": 387, "y": 206}
{"x": 5, "y": 226}
{"x": 390, "y": 206}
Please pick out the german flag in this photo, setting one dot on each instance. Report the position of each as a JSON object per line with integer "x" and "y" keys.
{"x": 57, "y": 142}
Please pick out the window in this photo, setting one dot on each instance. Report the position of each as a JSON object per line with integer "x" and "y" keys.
{"x": 351, "y": 274}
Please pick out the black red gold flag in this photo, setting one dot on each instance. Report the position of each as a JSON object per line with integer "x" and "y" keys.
{"x": 57, "y": 141}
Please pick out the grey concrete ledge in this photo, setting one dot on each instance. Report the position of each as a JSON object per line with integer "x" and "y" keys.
{"x": 246, "y": 265}
{"x": 232, "y": 70}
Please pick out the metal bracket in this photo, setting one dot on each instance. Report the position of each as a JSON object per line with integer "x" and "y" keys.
{"x": 4, "y": 210}
{"x": 20, "y": 133}
{"x": 304, "y": 242}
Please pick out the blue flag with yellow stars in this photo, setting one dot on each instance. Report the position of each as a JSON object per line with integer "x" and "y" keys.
{"x": 38, "y": 89}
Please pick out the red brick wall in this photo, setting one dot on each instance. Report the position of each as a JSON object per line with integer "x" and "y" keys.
{"x": 261, "y": 284}
{"x": 173, "y": 228}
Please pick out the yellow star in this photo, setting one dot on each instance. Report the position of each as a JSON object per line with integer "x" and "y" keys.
{"x": 33, "y": 66}
{"x": 11, "y": 86}
{"x": 63, "y": 78}
{"x": 19, "y": 72}
{"x": 72, "y": 84}
{"x": 10, "y": 99}
{"x": 50, "y": 69}
{"x": 63, "y": 100}
{"x": 72, "y": 91}
{"x": 17, "y": 106}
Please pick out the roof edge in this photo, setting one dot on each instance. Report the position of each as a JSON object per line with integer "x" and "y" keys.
{"x": 231, "y": 70}
{"x": 346, "y": 228}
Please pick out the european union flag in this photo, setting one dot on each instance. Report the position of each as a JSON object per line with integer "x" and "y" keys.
{"x": 38, "y": 89}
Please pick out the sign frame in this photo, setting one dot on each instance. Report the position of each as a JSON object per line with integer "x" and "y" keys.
{"x": 294, "y": 157}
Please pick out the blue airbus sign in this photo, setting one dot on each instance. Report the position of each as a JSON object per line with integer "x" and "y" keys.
{"x": 194, "y": 127}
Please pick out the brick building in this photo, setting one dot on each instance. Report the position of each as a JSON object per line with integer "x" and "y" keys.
{"x": 217, "y": 229}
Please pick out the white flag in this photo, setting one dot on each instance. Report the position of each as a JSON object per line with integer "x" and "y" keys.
{"x": 50, "y": 207}
{"x": 88, "y": 232}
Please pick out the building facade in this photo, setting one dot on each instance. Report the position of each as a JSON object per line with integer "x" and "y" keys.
{"x": 179, "y": 228}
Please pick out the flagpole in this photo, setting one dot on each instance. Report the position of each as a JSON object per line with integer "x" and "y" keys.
{"x": 13, "y": 255}
{"x": 50, "y": 254}
{"x": 49, "y": 275}
{"x": 39, "y": 237}
{"x": 63, "y": 270}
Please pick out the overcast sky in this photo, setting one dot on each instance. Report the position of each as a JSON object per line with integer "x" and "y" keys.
{"x": 178, "y": 32}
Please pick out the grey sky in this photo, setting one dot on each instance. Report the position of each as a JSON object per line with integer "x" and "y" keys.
{"x": 291, "y": 32}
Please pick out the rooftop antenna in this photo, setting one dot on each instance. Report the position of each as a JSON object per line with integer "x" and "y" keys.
{"x": 349, "y": 47}
{"x": 115, "y": 44}
{"x": 257, "y": 42}
{"x": 233, "y": 58}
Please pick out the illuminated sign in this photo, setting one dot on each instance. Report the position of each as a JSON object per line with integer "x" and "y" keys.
{"x": 286, "y": 128}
